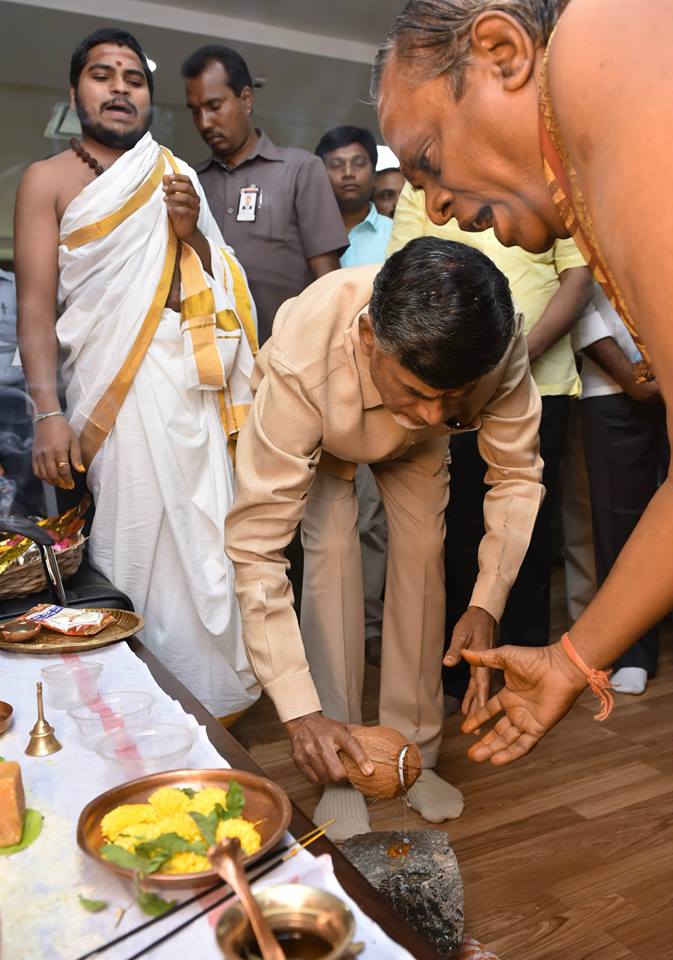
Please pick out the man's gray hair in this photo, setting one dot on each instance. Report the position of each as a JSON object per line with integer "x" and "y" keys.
{"x": 433, "y": 36}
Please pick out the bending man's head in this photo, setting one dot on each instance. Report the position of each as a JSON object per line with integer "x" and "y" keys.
{"x": 440, "y": 318}
{"x": 111, "y": 88}
{"x": 456, "y": 82}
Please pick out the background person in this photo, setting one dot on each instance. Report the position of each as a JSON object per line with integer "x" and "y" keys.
{"x": 551, "y": 289}
{"x": 22, "y": 490}
{"x": 627, "y": 456}
{"x": 273, "y": 204}
{"x": 349, "y": 155}
{"x": 388, "y": 184}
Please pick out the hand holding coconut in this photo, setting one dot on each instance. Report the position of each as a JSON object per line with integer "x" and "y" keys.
{"x": 378, "y": 761}
{"x": 316, "y": 743}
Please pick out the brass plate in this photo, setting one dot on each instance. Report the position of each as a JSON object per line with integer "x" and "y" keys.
{"x": 264, "y": 802}
{"x": 48, "y": 641}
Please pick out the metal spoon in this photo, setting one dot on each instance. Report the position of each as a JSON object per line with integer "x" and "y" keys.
{"x": 226, "y": 858}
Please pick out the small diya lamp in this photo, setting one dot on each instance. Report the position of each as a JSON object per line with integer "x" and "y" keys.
{"x": 6, "y": 715}
{"x": 19, "y": 631}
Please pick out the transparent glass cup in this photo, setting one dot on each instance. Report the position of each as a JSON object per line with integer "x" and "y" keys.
{"x": 69, "y": 683}
{"x": 111, "y": 711}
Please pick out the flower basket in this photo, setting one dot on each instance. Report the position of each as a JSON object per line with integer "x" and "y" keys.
{"x": 23, "y": 578}
{"x": 21, "y": 568}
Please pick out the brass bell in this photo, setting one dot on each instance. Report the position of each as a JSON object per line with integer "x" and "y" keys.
{"x": 42, "y": 740}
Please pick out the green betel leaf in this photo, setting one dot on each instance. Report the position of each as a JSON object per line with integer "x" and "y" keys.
{"x": 122, "y": 858}
{"x": 93, "y": 906}
{"x": 32, "y": 827}
{"x": 235, "y": 800}
{"x": 207, "y": 825}
{"x": 169, "y": 843}
{"x": 153, "y": 905}
{"x": 132, "y": 861}
{"x": 188, "y": 792}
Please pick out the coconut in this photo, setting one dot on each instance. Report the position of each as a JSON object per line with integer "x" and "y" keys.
{"x": 397, "y": 763}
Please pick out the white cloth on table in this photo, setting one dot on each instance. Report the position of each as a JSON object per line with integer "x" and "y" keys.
{"x": 40, "y": 914}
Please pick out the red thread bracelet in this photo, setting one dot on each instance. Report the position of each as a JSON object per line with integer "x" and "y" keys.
{"x": 599, "y": 680}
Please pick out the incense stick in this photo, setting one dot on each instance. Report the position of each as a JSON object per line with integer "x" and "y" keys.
{"x": 308, "y": 840}
{"x": 279, "y": 855}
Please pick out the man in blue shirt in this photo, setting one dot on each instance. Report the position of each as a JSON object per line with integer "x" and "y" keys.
{"x": 349, "y": 155}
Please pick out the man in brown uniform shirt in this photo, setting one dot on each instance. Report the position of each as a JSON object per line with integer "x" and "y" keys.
{"x": 380, "y": 375}
{"x": 274, "y": 205}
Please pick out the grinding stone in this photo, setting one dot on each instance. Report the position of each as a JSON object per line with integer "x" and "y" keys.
{"x": 424, "y": 885}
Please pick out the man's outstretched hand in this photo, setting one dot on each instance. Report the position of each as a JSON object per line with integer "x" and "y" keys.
{"x": 316, "y": 741}
{"x": 541, "y": 685}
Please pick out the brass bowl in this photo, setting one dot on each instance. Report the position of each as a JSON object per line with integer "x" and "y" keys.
{"x": 125, "y": 624}
{"x": 266, "y": 805}
{"x": 6, "y": 715}
{"x": 295, "y": 907}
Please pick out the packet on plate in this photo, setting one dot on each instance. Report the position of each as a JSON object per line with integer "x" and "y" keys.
{"x": 83, "y": 623}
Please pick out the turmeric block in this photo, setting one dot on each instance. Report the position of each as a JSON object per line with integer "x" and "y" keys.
{"x": 12, "y": 803}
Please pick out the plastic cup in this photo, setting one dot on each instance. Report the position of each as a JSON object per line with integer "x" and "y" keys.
{"x": 68, "y": 683}
{"x": 107, "y": 712}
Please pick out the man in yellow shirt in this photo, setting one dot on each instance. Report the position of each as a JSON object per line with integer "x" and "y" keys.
{"x": 551, "y": 289}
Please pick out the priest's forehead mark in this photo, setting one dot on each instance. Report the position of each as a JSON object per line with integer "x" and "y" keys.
{"x": 108, "y": 55}
{"x": 135, "y": 71}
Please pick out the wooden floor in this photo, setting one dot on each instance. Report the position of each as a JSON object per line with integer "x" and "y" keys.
{"x": 568, "y": 854}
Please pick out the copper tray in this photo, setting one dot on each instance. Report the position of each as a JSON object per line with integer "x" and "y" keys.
{"x": 47, "y": 641}
{"x": 264, "y": 802}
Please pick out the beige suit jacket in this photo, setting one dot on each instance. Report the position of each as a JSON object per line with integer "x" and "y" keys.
{"x": 315, "y": 399}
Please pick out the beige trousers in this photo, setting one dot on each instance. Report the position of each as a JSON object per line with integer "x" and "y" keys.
{"x": 374, "y": 545}
{"x": 415, "y": 490}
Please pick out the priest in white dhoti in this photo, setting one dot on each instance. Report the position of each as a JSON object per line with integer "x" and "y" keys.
{"x": 158, "y": 333}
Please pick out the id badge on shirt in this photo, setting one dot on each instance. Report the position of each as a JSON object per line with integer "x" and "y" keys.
{"x": 247, "y": 204}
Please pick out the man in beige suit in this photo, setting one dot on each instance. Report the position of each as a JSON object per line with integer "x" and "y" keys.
{"x": 380, "y": 367}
